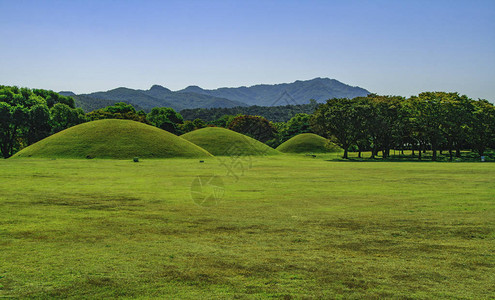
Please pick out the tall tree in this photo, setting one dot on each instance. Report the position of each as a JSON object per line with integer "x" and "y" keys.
{"x": 456, "y": 116}
{"x": 39, "y": 126}
{"x": 119, "y": 110}
{"x": 482, "y": 129}
{"x": 63, "y": 117}
{"x": 256, "y": 127}
{"x": 339, "y": 121}
{"x": 13, "y": 121}
{"x": 429, "y": 118}
{"x": 300, "y": 123}
{"x": 165, "y": 118}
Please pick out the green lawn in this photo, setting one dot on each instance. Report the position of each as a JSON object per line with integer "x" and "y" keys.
{"x": 288, "y": 227}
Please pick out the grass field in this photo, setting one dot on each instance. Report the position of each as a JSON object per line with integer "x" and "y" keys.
{"x": 283, "y": 227}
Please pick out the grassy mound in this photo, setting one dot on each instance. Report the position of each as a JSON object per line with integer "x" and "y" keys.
{"x": 117, "y": 139}
{"x": 224, "y": 142}
{"x": 308, "y": 143}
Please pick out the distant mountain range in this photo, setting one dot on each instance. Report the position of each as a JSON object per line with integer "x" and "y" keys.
{"x": 298, "y": 92}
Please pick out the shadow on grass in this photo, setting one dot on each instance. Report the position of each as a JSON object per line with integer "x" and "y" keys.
{"x": 425, "y": 157}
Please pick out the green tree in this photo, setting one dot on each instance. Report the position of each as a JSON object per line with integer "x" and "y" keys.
{"x": 119, "y": 110}
{"x": 300, "y": 123}
{"x": 63, "y": 117}
{"x": 385, "y": 122}
{"x": 13, "y": 121}
{"x": 53, "y": 98}
{"x": 165, "y": 118}
{"x": 223, "y": 121}
{"x": 339, "y": 121}
{"x": 256, "y": 127}
{"x": 39, "y": 126}
{"x": 456, "y": 116}
{"x": 187, "y": 126}
{"x": 482, "y": 129}
{"x": 429, "y": 118}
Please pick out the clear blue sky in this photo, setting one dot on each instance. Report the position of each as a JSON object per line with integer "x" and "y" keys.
{"x": 388, "y": 47}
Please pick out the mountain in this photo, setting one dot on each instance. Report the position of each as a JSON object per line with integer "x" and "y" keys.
{"x": 90, "y": 103}
{"x": 156, "y": 96}
{"x": 298, "y": 92}
{"x": 183, "y": 100}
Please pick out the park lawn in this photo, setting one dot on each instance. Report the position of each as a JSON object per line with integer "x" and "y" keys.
{"x": 285, "y": 226}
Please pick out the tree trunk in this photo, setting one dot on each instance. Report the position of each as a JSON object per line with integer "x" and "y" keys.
{"x": 451, "y": 153}
{"x": 457, "y": 151}
{"x": 345, "y": 153}
{"x": 434, "y": 150}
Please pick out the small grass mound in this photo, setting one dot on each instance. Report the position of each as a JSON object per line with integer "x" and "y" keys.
{"x": 225, "y": 142}
{"x": 308, "y": 143}
{"x": 116, "y": 139}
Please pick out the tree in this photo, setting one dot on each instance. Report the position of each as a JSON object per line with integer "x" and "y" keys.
{"x": 428, "y": 118}
{"x": 53, "y": 98}
{"x": 119, "y": 110}
{"x": 381, "y": 114}
{"x": 63, "y": 117}
{"x": 223, "y": 121}
{"x": 256, "y": 127}
{"x": 13, "y": 121}
{"x": 300, "y": 123}
{"x": 188, "y": 126}
{"x": 339, "y": 121}
{"x": 39, "y": 126}
{"x": 456, "y": 116}
{"x": 165, "y": 118}
{"x": 482, "y": 129}
{"x": 26, "y": 116}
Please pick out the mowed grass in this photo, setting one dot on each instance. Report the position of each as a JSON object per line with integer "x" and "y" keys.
{"x": 286, "y": 227}
{"x": 117, "y": 139}
{"x": 308, "y": 143}
{"x": 224, "y": 142}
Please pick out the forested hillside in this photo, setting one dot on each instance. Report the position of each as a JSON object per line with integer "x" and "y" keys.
{"x": 272, "y": 113}
{"x": 156, "y": 96}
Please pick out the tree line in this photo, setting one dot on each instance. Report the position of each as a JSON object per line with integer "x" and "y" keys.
{"x": 432, "y": 120}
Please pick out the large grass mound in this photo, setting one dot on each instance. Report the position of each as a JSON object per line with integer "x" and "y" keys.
{"x": 224, "y": 142}
{"x": 308, "y": 143}
{"x": 118, "y": 139}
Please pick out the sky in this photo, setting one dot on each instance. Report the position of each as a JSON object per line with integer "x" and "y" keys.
{"x": 387, "y": 47}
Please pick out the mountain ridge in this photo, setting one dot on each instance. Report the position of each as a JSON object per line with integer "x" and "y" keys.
{"x": 193, "y": 96}
{"x": 300, "y": 91}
